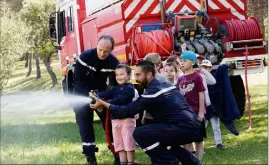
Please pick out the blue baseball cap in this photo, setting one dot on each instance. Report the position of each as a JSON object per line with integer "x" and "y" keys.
{"x": 189, "y": 55}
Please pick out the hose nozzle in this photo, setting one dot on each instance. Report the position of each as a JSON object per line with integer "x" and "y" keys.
{"x": 92, "y": 100}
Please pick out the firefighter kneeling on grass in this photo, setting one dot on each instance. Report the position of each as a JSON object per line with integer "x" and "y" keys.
{"x": 175, "y": 123}
{"x": 92, "y": 70}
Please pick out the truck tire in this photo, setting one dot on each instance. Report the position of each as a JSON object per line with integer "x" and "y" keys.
{"x": 69, "y": 83}
{"x": 238, "y": 89}
{"x": 64, "y": 85}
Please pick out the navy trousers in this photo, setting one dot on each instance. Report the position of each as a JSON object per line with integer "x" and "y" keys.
{"x": 84, "y": 118}
{"x": 155, "y": 138}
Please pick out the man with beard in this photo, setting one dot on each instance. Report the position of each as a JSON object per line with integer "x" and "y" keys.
{"x": 175, "y": 123}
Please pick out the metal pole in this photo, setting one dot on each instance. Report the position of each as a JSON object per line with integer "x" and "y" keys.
{"x": 162, "y": 7}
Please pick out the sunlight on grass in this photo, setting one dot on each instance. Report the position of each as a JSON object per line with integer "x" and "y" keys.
{"x": 19, "y": 81}
{"x": 51, "y": 136}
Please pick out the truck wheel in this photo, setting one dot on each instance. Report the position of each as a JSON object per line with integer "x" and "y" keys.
{"x": 238, "y": 89}
{"x": 69, "y": 83}
{"x": 64, "y": 85}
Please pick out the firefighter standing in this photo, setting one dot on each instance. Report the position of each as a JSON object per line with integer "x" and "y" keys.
{"x": 93, "y": 71}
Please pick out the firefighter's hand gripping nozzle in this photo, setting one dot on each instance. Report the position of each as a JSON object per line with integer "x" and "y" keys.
{"x": 93, "y": 100}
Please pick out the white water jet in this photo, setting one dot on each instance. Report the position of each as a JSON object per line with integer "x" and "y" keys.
{"x": 40, "y": 101}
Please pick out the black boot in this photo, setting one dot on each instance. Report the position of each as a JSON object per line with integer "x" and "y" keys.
{"x": 91, "y": 160}
{"x": 89, "y": 152}
{"x": 174, "y": 162}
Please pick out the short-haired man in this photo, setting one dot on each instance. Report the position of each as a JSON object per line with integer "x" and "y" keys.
{"x": 176, "y": 123}
{"x": 92, "y": 71}
{"x": 155, "y": 58}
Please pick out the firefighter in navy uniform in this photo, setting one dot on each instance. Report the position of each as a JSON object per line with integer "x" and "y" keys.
{"x": 174, "y": 122}
{"x": 93, "y": 70}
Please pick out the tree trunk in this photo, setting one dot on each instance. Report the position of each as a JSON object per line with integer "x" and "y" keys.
{"x": 258, "y": 8}
{"x": 26, "y": 60}
{"x": 47, "y": 62}
{"x": 38, "y": 72}
{"x": 29, "y": 64}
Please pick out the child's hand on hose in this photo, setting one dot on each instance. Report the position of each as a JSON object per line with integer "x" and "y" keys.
{"x": 143, "y": 120}
{"x": 98, "y": 104}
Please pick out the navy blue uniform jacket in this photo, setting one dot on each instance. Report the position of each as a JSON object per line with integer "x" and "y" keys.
{"x": 221, "y": 96}
{"x": 96, "y": 75}
{"x": 163, "y": 102}
{"x": 119, "y": 95}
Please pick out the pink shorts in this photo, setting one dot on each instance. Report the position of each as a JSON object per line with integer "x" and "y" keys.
{"x": 123, "y": 134}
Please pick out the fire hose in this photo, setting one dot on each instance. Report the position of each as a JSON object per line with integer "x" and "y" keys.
{"x": 107, "y": 124}
{"x": 158, "y": 44}
{"x": 107, "y": 133}
{"x": 242, "y": 29}
{"x": 248, "y": 96}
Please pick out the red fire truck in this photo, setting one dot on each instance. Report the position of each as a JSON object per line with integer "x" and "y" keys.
{"x": 219, "y": 30}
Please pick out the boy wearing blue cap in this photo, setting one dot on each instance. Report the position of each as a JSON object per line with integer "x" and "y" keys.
{"x": 192, "y": 88}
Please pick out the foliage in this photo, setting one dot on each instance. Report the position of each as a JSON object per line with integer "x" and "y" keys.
{"x": 14, "y": 5}
{"x": 258, "y": 9}
{"x": 36, "y": 14}
{"x": 266, "y": 28}
{"x": 13, "y": 43}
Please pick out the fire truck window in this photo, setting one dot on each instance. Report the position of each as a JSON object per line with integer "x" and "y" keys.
{"x": 70, "y": 19}
{"x": 61, "y": 25}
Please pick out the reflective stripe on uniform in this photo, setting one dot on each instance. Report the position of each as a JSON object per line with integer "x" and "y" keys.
{"x": 107, "y": 70}
{"x": 84, "y": 64}
{"x": 88, "y": 144}
{"x": 159, "y": 92}
{"x": 151, "y": 147}
{"x": 92, "y": 68}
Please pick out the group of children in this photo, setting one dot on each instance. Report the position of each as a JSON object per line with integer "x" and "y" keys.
{"x": 186, "y": 75}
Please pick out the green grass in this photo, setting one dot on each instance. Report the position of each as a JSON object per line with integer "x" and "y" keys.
{"x": 19, "y": 81}
{"x": 51, "y": 137}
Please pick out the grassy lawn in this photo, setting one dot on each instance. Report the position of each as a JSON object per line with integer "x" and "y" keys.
{"x": 52, "y": 137}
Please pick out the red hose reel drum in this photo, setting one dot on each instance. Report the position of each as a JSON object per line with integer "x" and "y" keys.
{"x": 156, "y": 41}
{"x": 242, "y": 29}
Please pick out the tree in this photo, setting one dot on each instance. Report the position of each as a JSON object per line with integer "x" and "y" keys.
{"x": 36, "y": 15}
{"x": 14, "y": 5}
{"x": 258, "y": 9}
{"x": 12, "y": 44}
{"x": 38, "y": 72}
{"x": 30, "y": 57}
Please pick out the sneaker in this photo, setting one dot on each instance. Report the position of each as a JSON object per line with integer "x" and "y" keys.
{"x": 220, "y": 146}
